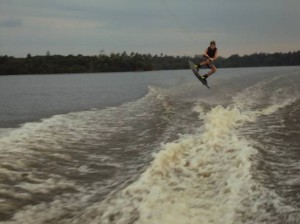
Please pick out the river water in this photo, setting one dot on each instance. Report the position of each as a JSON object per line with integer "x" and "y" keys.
{"x": 151, "y": 147}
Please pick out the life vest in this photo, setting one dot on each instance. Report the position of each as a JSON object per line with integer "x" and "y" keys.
{"x": 211, "y": 52}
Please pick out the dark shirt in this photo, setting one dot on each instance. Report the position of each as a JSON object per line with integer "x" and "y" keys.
{"x": 211, "y": 52}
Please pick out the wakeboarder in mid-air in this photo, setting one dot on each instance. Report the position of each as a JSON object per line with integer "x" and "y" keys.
{"x": 210, "y": 54}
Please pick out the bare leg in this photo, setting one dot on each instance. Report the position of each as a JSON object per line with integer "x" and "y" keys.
{"x": 212, "y": 67}
{"x": 212, "y": 71}
{"x": 204, "y": 62}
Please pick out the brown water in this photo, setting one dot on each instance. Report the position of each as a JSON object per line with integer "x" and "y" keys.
{"x": 157, "y": 148}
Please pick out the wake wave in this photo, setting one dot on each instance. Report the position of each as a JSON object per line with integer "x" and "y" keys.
{"x": 203, "y": 176}
{"x": 200, "y": 178}
{"x": 66, "y": 152}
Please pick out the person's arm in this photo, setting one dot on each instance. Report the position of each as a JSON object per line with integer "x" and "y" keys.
{"x": 216, "y": 55}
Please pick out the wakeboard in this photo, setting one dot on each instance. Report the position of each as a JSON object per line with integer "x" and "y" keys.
{"x": 196, "y": 73}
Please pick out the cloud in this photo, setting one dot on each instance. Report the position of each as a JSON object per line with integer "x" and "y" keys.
{"x": 10, "y": 22}
{"x": 158, "y": 26}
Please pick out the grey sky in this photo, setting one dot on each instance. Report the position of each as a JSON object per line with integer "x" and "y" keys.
{"x": 176, "y": 27}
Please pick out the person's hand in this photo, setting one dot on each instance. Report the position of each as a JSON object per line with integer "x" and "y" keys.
{"x": 209, "y": 58}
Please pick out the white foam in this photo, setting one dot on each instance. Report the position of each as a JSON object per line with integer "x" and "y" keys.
{"x": 204, "y": 177}
{"x": 201, "y": 178}
{"x": 30, "y": 153}
{"x": 5, "y": 132}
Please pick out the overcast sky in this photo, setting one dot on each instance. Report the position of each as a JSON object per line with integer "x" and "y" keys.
{"x": 174, "y": 27}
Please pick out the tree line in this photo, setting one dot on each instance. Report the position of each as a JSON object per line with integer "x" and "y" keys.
{"x": 121, "y": 62}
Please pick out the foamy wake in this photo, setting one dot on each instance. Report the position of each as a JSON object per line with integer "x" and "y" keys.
{"x": 200, "y": 178}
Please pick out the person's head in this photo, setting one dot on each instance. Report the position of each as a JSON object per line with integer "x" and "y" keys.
{"x": 212, "y": 44}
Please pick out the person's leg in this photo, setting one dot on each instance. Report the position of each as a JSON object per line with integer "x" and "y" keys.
{"x": 205, "y": 62}
{"x": 201, "y": 64}
{"x": 212, "y": 71}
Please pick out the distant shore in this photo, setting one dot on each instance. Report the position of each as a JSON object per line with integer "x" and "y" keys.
{"x": 123, "y": 62}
